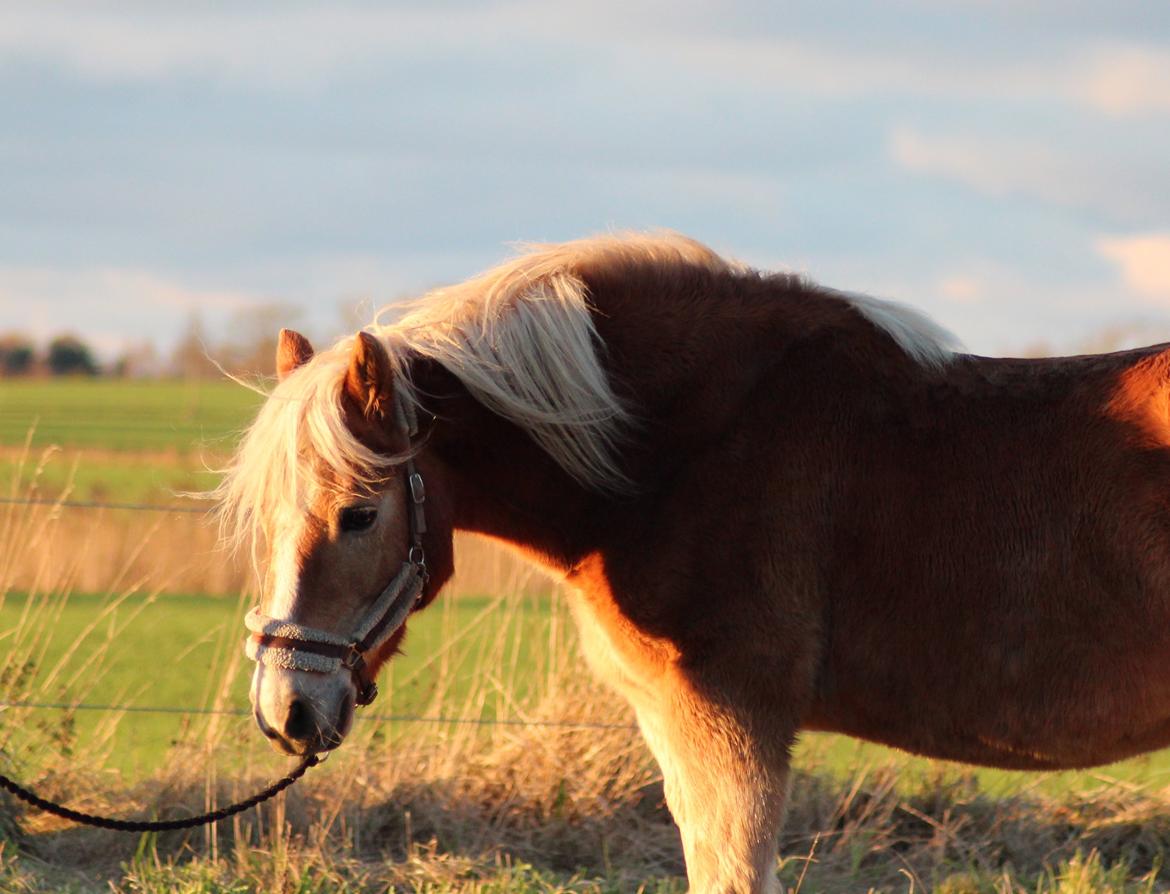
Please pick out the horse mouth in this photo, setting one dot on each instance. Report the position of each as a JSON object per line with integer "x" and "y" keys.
{"x": 322, "y": 738}
{"x": 279, "y": 743}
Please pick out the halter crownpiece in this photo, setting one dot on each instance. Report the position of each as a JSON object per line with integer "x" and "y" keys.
{"x": 286, "y": 644}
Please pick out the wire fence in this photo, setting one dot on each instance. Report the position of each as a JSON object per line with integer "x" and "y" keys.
{"x": 99, "y": 504}
{"x": 244, "y": 712}
{"x": 440, "y": 719}
{"x": 124, "y": 426}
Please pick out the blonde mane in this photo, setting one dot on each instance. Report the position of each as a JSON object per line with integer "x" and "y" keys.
{"x": 521, "y": 339}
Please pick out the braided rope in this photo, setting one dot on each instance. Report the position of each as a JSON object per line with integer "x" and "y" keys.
{"x": 191, "y": 822}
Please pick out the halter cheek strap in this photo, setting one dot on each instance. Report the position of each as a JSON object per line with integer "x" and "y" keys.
{"x": 286, "y": 644}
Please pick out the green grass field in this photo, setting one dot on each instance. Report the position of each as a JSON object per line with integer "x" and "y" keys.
{"x": 176, "y": 651}
{"x": 128, "y": 416}
{"x": 120, "y": 441}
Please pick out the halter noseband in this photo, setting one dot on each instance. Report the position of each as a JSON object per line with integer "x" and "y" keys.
{"x": 293, "y": 646}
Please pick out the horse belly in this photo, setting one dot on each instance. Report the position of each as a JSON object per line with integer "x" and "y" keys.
{"x": 1051, "y": 704}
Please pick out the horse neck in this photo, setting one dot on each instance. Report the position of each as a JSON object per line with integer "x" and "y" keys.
{"x": 689, "y": 350}
{"x": 685, "y": 361}
{"x": 498, "y": 482}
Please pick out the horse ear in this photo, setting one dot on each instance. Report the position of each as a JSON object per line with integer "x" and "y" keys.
{"x": 369, "y": 381}
{"x": 292, "y": 350}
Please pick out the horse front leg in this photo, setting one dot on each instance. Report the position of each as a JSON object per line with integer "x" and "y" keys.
{"x": 725, "y": 789}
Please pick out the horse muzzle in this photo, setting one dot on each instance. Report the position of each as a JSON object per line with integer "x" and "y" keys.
{"x": 302, "y": 713}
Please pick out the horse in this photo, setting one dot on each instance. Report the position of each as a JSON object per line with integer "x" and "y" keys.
{"x": 779, "y": 507}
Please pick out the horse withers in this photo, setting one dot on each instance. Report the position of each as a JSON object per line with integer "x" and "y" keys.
{"x": 780, "y": 507}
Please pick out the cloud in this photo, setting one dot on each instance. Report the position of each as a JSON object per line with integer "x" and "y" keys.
{"x": 1119, "y": 183}
{"x": 1144, "y": 262}
{"x": 1128, "y": 80}
{"x": 834, "y": 69}
{"x": 112, "y": 289}
{"x": 997, "y": 306}
{"x": 301, "y": 45}
{"x": 331, "y": 294}
{"x": 108, "y": 306}
{"x": 961, "y": 288}
{"x": 286, "y": 45}
{"x": 994, "y": 166}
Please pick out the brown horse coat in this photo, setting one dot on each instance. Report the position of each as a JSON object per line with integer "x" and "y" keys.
{"x": 968, "y": 559}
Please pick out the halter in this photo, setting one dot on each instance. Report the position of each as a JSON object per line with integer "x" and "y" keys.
{"x": 286, "y": 644}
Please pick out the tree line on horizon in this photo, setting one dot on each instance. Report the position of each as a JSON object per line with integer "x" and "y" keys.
{"x": 69, "y": 355}
{"x": 249, "y": 350}
{"x": 64, "y": 355}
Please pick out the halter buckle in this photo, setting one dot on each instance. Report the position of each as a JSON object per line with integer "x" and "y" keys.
{"x": 418, "y": 490}
{"x": 355, "y": 662}
{"x": 353, "y": 659}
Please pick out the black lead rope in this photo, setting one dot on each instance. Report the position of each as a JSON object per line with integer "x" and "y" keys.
{"x": 191, "y": 822}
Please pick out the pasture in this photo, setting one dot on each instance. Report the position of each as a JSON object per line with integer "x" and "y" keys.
{"x": 498, "y": 766}
{"x": 135, "y": 441}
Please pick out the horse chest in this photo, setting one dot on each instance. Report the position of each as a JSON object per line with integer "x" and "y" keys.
{"x": 623, "y": 657}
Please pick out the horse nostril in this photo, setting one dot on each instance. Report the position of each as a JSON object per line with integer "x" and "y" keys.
{"x": 298, "y": 723}
{"x": 264, "y": 727}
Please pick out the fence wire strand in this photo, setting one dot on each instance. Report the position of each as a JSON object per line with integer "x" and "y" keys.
{"x": 244, "y": 712}
{"x": 98, "y": 504}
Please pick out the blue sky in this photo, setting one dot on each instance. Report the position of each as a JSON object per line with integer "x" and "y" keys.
{"x": 1003, "y": 165}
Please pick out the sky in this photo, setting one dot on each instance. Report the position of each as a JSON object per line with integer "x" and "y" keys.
{"x": 1004, "y": 165}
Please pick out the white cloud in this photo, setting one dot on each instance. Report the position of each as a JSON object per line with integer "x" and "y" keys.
{"x": 1121, "y": 187}
{"x": 109, "y": 306}
{"x": 1144, "y": 262}
{"x": 997, "y": 307}
{"x": 112, "y": 288}
{"x": 844, "y": 71}
{"x": 330, "y": 294}
{"x": 293, "y": 44}
{"x": 995, "y": 166}
{"x": 961, "y": 288}
{"x": 286, "y": 45}
{"x": 1128, "y": 81}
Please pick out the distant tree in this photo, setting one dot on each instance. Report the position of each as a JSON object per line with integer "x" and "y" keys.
{"x": 1116, "y": 337}
{"x": 191, "y": 359}
{"x": 17, "y": 355}
{"x": 69, "y": 356}
{"x": 138, "y": 361}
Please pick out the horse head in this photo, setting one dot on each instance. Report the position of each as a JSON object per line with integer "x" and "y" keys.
{"x": 328, "y": 482}
{"x": 346, "y": 487}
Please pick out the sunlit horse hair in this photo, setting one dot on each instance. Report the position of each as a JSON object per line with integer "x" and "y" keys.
{"x": 520, "y": 337}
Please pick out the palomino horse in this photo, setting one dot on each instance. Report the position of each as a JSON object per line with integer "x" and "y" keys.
{"x": 780, "y": 507}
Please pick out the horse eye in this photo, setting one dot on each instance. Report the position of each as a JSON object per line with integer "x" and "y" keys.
{"x": 357, "y": 518}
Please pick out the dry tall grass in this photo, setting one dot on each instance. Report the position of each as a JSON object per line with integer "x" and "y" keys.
{"x": 545, "y": 809}
{"x": 525, "y": 806}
